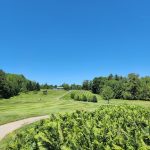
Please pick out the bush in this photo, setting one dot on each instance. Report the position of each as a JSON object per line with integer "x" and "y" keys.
{"x": 82, "y": 95}
{"x": 90, "y": 98}
{"x": 94, "y": 99}
{"x": 45, "y": 92}
{"x": 84, "y": 98}
{"x": 76, "y": 97}
{"x": 109, "y": 127}
{"x": 72, "y": 95}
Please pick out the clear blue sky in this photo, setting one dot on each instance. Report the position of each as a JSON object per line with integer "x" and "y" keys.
{"x": 58, "y": 41}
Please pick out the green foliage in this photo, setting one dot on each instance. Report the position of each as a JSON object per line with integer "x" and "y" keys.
{"x": 94, "y": 99}
{"x": 98, "y": 84}
{"x": 12, "y": 84}
{"x": 76, "y": 97}
{"x": 109, "y": 127}
{"x": 45, "y": 92}
{"x": 46, "y": 86}
{"x": 71, "y": 87}
{"x": 82, "y": 95}
{"x": 84, "y": 98}
{"x": 75, "y": 87}
{"x": 107, "y": 93}
{"x": 131, "y": 87}
{"x": 87, "y": 85}
{"x": 72, "y": 95}
{"x": 66, "y": 86}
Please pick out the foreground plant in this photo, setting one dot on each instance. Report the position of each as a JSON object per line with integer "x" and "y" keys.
{"x": 109, "y": 127}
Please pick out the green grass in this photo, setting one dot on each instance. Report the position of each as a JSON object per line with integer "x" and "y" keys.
{"x": 31, "y": 104}
{"x": 57, "y": 101}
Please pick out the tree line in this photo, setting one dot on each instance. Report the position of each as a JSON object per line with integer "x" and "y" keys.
{"x": 47, "y": 86}
{"x": 13, "y": 84}
{"x": 132, "y": 87}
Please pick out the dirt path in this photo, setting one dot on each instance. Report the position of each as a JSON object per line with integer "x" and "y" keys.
{"x": 64, "y": 94}
{"x": 9, "y": 127}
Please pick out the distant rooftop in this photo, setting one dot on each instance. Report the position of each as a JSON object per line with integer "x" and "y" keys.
{"x": 59, "y": 87}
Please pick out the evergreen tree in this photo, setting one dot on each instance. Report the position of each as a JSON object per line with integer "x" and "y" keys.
{"x": 37, "y": 86}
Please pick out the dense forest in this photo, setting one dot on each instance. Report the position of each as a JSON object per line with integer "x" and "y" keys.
{"x": 13, "y": 84}
{"x": 132, "y": 87}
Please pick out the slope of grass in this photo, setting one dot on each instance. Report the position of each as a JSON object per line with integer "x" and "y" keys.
{"x": 32, "y": 104}
{"x": 57, "y": 101}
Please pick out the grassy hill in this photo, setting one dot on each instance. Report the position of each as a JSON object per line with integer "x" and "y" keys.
{"x": 56, "y": 101}
{"x": 36, "y": 104}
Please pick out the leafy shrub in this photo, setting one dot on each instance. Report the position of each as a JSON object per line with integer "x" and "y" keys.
{"x": 90, "y": 98}
{"x": 94, "y": 99}
{"x": 76, "y": 97}
{"x": 72, "y": 95}
{"x": 109, "y": 127}
{"x": 83, "y": 96}
{"x": 45, "y": 92}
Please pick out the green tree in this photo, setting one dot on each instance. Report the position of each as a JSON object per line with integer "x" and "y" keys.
{"x": 66, "y": 86}
{"x": 98, "y": 84}
{"x": 2, "y": 82}
{"x": 145, "y": 88}
{"x": 107, "y": 93}
{"x": 37, "y": 87}
{"x": 29, "y": 86}
{"x": 133, "y": 86}
{"x": 87, "y": 85}
{"x": 110, "y": 77}
{"x": 45, "y": 86}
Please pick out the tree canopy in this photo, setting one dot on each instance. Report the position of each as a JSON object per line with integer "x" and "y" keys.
{"x": 12, "y": 84}
{"x": 132, "y": 87}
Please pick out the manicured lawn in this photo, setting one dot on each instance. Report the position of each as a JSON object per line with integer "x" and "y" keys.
{"x": 36, "y": 104}
{"x": 31, "y": 104}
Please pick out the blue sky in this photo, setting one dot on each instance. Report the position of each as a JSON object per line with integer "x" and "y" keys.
{"x": 68, "y": 41}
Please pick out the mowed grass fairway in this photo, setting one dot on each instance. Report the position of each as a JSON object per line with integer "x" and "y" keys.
{"x": 37, "y": 104}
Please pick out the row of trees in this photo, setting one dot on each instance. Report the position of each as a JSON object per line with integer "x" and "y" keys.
{"x": 64, "y": 85}
{"x": 12, "y": 84}
{"x": 114, "y": 86}
{"x": 47, "y": 86}
{"x": 71, "y": 87}
{"x": 118, "y": 87}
